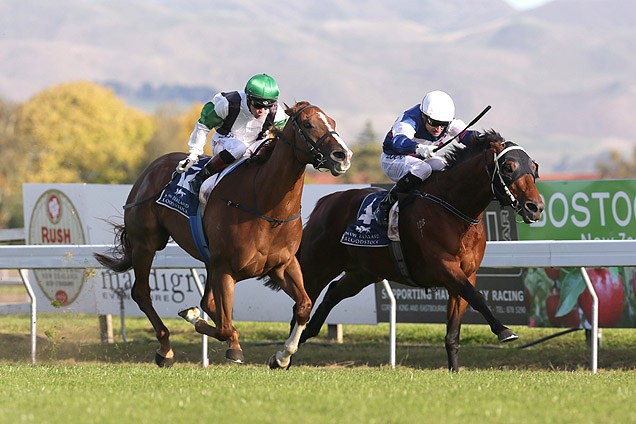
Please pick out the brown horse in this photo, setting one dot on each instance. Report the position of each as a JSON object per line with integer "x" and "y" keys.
{"x": 258, "y": 236}
{"x": 441, "y": 232}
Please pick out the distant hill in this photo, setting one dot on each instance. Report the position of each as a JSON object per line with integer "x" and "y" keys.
{"x": 561, "y": 78}
{"x": 148, "y": 94}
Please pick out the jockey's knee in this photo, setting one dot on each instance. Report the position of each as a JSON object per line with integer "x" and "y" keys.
{"x": 423, "y": 170}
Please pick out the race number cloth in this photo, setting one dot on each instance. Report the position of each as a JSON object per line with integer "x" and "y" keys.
{"x": 366, "y": 231}
{"x": 177, "y": 195}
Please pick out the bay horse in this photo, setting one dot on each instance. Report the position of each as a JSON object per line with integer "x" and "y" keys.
{"x": 251, "y": 220}
{"x": 442, "y": 235}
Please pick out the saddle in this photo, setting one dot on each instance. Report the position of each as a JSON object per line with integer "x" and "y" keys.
{"x": 366, "y": 232}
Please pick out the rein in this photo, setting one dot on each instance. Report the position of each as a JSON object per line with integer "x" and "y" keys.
{"x": 448, "y": 207}
{"x": 318, "y": 159}
{"x": 499, "y": 195}
{"x": 256, "y": 211}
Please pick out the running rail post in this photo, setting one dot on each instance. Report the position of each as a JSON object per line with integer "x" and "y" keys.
{"x": 392, "y": 319}
{"x": 205, "y": 362}
{"x": 594, "y": 340}
{"x": 24, "y": 274}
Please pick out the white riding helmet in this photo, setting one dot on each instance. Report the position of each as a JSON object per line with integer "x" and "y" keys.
{"x": 439, "y": 106}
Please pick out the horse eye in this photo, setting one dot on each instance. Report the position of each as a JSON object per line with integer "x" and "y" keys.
{"x": 508, "y": 168}
{"x": 308, "y": 125}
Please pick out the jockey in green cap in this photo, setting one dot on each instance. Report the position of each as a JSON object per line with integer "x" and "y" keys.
{"x": 241, "y": 118}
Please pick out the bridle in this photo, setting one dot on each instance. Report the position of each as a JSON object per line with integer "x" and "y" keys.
{"x": 499, "y": 183}
{"x": 317, "y": 158}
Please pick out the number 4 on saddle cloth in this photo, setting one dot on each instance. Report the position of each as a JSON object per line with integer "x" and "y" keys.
{"x": 365, "y": 231}
{"x": 177, "y": 196}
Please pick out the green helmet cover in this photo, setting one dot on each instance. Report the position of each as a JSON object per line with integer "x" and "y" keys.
{"x": 262, "y": 86}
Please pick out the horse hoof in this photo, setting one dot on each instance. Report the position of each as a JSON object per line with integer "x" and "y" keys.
{"x": 162, "y": 361}
{"x": 192, "y": 315}
{"x": 235, "y": 355}
{"x": 507, "y": 335}
{"x": 273, "y": 363}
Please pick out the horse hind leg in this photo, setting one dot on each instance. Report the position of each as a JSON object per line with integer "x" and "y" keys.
{"x": 142, "y": 261}
{"x": 349, "y": 285}
{"x": 454, "y": 313}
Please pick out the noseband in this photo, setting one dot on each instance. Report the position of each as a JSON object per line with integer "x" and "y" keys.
{"x": 318, "y": 159}
{"x": 499, "y": 187}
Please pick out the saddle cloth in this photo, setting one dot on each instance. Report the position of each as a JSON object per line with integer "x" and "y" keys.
{"x": 177, "y": 195}
{"x": 365, "y": 231}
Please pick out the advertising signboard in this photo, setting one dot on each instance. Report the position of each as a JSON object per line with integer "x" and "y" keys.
{"x": 583, "y": 210}
{"x": 81, "y": 214}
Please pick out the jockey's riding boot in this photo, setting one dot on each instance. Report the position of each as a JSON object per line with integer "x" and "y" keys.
{"x": 214, "y": 165}
{"x": 404, "y": 185}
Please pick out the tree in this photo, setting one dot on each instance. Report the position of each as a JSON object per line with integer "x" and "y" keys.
{"x": 10, "y": 177}
{"x": 173, "y": 131}
{"x": 365, "y": 164}
{"x": 81, "y": 132}
{"x": 617, "y": 166}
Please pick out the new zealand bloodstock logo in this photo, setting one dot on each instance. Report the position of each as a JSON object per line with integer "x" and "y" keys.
{"x": 55, "y": 220}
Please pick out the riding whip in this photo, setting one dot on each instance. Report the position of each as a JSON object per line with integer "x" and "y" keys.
{"x": 483, "y": 112}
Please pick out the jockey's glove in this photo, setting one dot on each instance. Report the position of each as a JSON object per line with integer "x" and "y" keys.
{"x": 185, "y": 164}
{"x": 426, "y": 151}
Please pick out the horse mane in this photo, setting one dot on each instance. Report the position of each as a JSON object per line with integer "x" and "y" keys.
{"x": 458, "y": 154}
{"x": 265, "y": 150}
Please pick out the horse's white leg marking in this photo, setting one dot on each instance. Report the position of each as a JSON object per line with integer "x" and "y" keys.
{"x": 291, "y": 346}
{"x": 192, "y": 315}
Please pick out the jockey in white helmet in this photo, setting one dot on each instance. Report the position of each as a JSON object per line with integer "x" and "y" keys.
{"x": 407, "y": 151}
{"x": 241, "y": 119}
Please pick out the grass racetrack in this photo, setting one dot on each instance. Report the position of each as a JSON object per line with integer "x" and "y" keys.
{"x": 78, "y": 379}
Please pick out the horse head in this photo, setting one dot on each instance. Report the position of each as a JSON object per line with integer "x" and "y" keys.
{"x": 513, "y": 178}
{"x": 315, "y": 136}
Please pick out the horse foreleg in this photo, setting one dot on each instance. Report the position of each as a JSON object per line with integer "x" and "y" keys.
{"x": 468, "y": 292}
{"x": 454, "y": 313}
{"x": 220, "y": 316}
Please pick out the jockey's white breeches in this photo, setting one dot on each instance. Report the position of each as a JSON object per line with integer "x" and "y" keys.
{"x": 397, "y": 166}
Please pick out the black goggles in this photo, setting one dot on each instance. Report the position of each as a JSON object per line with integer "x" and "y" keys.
{"x": 435, "y": 123}
{"x": 260, "y": 103}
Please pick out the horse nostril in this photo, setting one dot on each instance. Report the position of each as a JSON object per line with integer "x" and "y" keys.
{"x": 532, "y": 207}
{"x": 339, "y": 155}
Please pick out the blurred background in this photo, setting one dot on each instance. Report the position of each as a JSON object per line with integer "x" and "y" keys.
{"x": 91, "y": 91}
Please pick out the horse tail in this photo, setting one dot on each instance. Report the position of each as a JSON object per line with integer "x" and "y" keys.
{"x": 270, "y": 283}
{"x": 121, "y": 259}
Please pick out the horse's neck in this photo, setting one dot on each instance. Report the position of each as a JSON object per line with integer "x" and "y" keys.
{"x": 466, "y": 186}
{"x": 280, "y": 180}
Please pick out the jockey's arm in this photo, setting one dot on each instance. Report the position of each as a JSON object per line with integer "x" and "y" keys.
{"x": 208, "y": 120}
{"x": 402, "y": 141}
